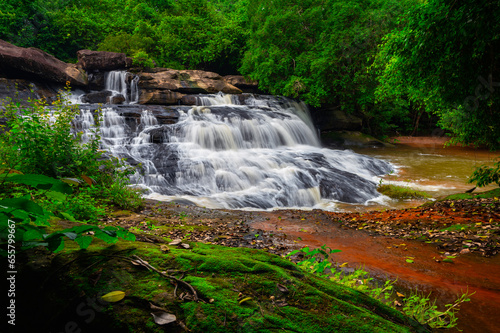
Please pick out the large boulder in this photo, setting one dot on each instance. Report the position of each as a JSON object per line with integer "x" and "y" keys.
{"x": 97, "y": 97}
{"x": 185, "y": 82}
{"x": 19, "y": 62}
{"x": 101, "y": 60}
{"x": 239, "y": 81}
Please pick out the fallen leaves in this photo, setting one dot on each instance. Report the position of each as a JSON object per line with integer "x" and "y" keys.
{"x": 114, "y": 296}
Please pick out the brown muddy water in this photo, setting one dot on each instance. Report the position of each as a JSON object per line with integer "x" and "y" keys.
{"x": 426, "y": 164}
{"x": 423, "y": 164}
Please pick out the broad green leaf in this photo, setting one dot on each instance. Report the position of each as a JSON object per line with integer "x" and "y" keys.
{"x": 83, "y": 241}
{"x": 33, "y": 180}
{"x": 56, "y": 195}
{"x": 71, "y": 235}
{"x": 106, "y": 237}
{"x": 113, "y": 296}
{"x": 32, "y": 234}
{"x": 23, "y": 204}
{"x": 125, "y": 234}
{"x": 62, "y": 187}
{"x": 68, "y": 216}
{"x": 72, "y": 181}
{"x": 56, "y": 244}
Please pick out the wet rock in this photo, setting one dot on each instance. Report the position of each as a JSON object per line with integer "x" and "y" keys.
{"x": 97, "y": 97}
{"x": 247, "y": 86}
{"x": 332, "y": 118}
{"x": 19, "y": 90}
{"x": 116, "y": 99}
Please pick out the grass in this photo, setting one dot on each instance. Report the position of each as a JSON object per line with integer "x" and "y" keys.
{"x": 483, "y": 195}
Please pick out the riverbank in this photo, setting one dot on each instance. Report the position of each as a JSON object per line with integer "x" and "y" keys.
{"x": 443, "y": 247}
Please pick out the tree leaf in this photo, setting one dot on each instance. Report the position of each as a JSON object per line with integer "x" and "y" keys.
{"x": 72, "y": 181}
{"x": 56, "y": 195}
{"x": 114, "y": 296}
{"x": 68, "y": 216}
{"x": 88, "y": 180}
{"x": 83, "y": 241}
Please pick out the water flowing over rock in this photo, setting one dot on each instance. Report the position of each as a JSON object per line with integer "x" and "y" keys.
{"x": 168, "y": 86}
{"x": 224, "y": 154}
{"x": 18, "y": 62}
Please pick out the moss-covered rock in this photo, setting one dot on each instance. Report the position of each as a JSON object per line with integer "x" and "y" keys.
{"x": 63, "y": 291}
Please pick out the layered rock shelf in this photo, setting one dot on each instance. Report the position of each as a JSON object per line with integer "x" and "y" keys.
{"x": 30, "y": 72}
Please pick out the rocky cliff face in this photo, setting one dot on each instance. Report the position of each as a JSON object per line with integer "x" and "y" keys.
{"x": 29, "y": 72}
{"x": 26, "y": 69}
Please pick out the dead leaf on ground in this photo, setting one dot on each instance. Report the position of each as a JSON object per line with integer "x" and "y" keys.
{"x": 163, "y": 318}
{"x": 282, "y": 288}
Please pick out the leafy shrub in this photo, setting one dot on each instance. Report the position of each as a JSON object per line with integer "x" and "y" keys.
{"x": 485, "y": 175}
{"x": 417, "y": 306}
{"x": 22, "y": 221}
{"x": 40, "y": 140}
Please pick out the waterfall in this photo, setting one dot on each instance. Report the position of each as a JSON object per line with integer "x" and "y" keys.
{"x": 119, "y": 85}
{"x": 260, "y": 154}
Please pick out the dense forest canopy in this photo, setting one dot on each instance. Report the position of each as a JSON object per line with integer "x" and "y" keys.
{"x": 391, "y": 62}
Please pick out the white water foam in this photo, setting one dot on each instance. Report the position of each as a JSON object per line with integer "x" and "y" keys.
{"x": 262, "y": 155}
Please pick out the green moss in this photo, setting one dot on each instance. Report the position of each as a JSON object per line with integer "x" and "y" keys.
{"x": 222, "y": 277}
{"x": 484, "y": 195}
{"x": 401, "y": 192}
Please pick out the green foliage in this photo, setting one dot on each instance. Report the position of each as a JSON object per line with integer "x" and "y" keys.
{"x": 425, "y": 311}
{"x": 485, "y": 175}
{"x": 319, "y": 51}
{"x": 22, "y": 221}
{"x": 41, "y": 141}
{"x": 417, "y": 306}
{"x": 443, "y": 59}
{"x": 316, "y": 260}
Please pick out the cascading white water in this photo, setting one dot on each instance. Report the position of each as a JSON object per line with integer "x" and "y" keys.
{"x": 116, "y": 82}
{"x": 261, "y": 155}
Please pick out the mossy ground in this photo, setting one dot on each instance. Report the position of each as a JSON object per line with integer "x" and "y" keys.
{"x": 481, "y": 195}
{"x": 68, "y": 287}
{"x": 401, "y": 192}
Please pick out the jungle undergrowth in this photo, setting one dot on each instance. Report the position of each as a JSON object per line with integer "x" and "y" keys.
{"x": 417, "y": 305}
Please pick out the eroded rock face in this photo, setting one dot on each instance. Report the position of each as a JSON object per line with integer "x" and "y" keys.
{"x": 161, "y": 97}
{"x": 101, "y": 60}
{"x": 19, "y": 90}
{"x": 31, "y": 62}
{"x": 168, "y": 86}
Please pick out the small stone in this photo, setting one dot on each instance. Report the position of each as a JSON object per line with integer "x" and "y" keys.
{"x": 464, "y": 251}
